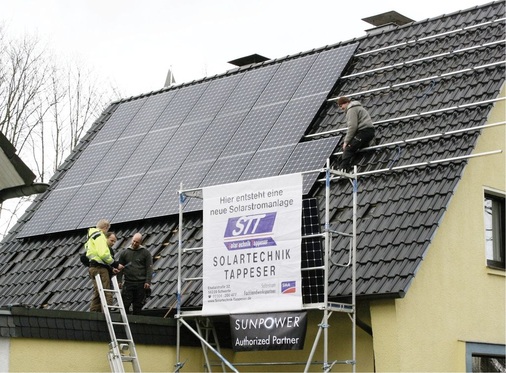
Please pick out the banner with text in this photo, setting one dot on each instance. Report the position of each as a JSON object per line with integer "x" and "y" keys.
{"x": 252, "y": 241}
{"x": 268, "y": 331}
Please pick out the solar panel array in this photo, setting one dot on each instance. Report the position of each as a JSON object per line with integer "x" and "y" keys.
{"x": 238, "y": 126}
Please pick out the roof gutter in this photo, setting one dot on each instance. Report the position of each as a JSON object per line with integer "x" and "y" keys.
{"x": 22, "y": 191}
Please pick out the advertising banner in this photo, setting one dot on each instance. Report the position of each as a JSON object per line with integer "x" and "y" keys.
{"x": 268, "y": 331}
{"x": 252, "y": 246}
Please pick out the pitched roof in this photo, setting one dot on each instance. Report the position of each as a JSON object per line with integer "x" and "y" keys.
{"x": 426, "y": 85}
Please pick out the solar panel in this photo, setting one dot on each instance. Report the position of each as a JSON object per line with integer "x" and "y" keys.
{"x": 119, "y": 120}
{"x": 193, "y": 204}
{"x": 65, "y": 190}
{"x": 77, "y": 208}
{"x": 309, "y": 96}
{"x": 209, "y": 144}
{"x": 195, "y": 124}
{"x": 191, "y": 176}
{"x": 238, "y": 126}
{"x": 227, "y": 168}
{"x": 310, "y": 155}
{"x": 84, "y": 166}
{"x": 253, "y": 130}
{"x": 267, "y": 162}
{"x": 328, "y": 65}
{"x": 224, "y": 170}
{"x": 213, "y": 141}
{"x": 232, "y": 114}
{"x": 292, "y": 123}
{"x": 108, "y": 204}
{"x": 311, "y": 253}
{"x": 114, "y": 159}
{"x": 247, "y": 92}
{"x": 213, "y": 99}
{"x": 180, "y": 106}
{"x": 285, "y": 82}
{"x": 49, "y": 211}
{"x": 101, "y": 160}
{"x": 146, "y": 152}
{"x": 138, "y": 203}
{"x": 148, "y": 114}
{"x": 179, "y": 146}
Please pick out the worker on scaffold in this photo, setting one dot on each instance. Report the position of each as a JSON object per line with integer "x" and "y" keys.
{"x": 360, "y": 131}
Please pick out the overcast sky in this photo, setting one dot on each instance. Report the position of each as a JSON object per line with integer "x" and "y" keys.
{"x": 133, "y": 43}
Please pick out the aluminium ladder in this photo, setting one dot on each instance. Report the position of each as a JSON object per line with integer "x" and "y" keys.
{"x": 120, "y": 349}
{"x": 207, "y": 332}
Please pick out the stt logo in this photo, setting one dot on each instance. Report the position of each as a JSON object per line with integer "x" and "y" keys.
{"x": 250, "y": 225}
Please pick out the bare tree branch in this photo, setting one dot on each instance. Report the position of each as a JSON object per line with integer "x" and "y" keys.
{"x": 45, "y": 108}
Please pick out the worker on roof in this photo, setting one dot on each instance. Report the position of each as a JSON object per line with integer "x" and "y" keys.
{"x": 137, "y": 274}
{"x": 101, "y": 260}
{"x": 360, "y": 130}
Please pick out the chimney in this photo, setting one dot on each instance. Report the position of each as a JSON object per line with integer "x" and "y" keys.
{"x": 386, "y": 21}
{"x": 248, "y": 60}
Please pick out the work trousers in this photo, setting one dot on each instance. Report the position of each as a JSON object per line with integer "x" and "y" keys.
{"x": 361, "y": 140}
{"x": 96, "y": 304}
{"x": 133, "y": 293}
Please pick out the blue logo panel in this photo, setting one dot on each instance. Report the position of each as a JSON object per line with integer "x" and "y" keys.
{"x": 288, "y": 287}
{"x": 250, "y": 231}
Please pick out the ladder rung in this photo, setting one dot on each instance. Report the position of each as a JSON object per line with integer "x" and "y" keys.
{"x": 121, "y": 349}
{"x": 110, "y": 291}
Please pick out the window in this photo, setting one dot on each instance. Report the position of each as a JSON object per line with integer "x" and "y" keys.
{"x": 484, "y": 363}
{"x": 494, "y": 213}
{"x": 485, "y": 357}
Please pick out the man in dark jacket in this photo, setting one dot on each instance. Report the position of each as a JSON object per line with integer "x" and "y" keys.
{"x": 137, "y": 272}
{"x": 360, "y": 130}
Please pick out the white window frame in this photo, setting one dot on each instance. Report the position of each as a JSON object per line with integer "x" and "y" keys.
{"x": 494, "y": 227}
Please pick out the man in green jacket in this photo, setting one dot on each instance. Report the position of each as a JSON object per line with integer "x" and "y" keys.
{"x": 101, "y": 260}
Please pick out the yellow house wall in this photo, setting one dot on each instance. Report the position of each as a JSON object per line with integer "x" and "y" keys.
{"x": 454, "y": 298}
{"x": 39, "y": 355}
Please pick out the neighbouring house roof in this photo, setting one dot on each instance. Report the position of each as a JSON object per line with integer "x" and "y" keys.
{"x": 17, "y": 179}
{"x": 428, "y": 85}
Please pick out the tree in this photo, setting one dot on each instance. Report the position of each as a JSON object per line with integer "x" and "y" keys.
{"x": 45, "y": 108}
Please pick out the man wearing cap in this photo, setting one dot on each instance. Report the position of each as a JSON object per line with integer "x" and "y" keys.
{"x": 360, "y": 130}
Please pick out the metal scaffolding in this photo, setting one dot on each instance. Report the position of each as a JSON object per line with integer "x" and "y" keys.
{"x": 327, "y": 307}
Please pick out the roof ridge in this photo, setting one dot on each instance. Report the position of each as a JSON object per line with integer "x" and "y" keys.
{"x": 299, "y": 54}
